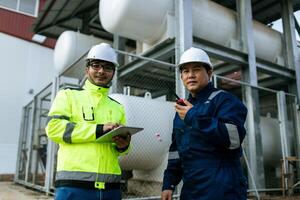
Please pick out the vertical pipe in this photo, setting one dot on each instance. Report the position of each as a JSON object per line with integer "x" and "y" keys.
{"x": 51, "y": 146}
{"x": 250, "y": 95}
{"x": 23, "y": 162}
{"x": 118, "y": 44}
{"x": 20, "y": 141}
{"x": 290, "y": 42}
{"x": 30, "y": 146}
{"x": 184, "y": 37}
{"x": 215, "y": 81}
{"x": 291, "y": 55}
{"x": 297, "y": 132}
{"x": 36, "y": 140}
{"x": 183, "y": 41}
{"x": 285, "y": 143}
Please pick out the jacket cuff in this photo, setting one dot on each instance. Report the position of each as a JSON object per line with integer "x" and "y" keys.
{"x": 99, "y": 130}
{"x": 168, "y": 187}
{"x": 121, "y": 150}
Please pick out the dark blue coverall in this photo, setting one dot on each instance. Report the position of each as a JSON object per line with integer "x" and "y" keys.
{"x": 206, "y": 148}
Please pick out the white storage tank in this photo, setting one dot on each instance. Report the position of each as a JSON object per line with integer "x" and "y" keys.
{"x": 71, "y": 46}
{"x": 148, "y": 156}
{"x": 136, "y": 19}
{"x": 148, "y": 21}
{"x": 270, "y": 134}
{"x": 149, "y": 147}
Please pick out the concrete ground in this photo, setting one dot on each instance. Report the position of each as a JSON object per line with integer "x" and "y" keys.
{"x": 12, "y": 191}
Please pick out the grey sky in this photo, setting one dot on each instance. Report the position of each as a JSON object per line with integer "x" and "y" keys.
{"x": 277, "y": 25}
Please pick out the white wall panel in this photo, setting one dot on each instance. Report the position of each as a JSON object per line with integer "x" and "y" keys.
{"x": 23, "y": 66}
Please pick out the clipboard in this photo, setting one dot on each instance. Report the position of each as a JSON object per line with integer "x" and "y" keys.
{"x": 122, "y": 130}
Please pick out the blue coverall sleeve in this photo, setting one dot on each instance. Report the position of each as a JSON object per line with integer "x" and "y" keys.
{"x": 224, "y": 125}
{"x": 173, "y": 173}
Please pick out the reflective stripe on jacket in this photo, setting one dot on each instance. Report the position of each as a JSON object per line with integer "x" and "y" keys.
{"x": 73, "y": 120}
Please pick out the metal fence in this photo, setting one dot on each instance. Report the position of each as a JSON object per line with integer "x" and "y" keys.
{"x": 278, "y": 132}
{"x": 32, "y": 152}
{"x": 153, "y": 82}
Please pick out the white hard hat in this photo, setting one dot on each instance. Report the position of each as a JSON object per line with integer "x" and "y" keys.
{"x": 103, "y": 51}
{"x": 194, "y": 55}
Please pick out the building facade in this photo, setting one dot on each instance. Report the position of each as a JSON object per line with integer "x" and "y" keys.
{"x": 26, "y": 67}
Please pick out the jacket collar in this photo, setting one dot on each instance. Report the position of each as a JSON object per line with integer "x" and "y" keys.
{"x": 203, "y": 94}
{"x": 94, "y": 88}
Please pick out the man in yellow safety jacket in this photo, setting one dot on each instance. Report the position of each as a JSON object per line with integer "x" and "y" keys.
{"x": 86, "y": 169}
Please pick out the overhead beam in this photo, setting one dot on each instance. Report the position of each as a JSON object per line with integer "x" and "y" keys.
{"x": 48, "y": 7}
{"x": 60, "y": 11}
{"x": 268, "y": 6}
{"x": 64, "y": 19}
{"x": 239, "y": 58}
{"x": 166, "y": 50}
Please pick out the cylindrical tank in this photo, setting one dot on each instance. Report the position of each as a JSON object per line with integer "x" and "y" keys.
{"x": 139, "y": 20}
{"x": 270, "y": 134}
{"x": 271, "y": 140}
{"x": 150, "y": 146}
{"x": 148, "y": 155}
{"x": 70, "y": 46}
{"x": 145, "y": 21}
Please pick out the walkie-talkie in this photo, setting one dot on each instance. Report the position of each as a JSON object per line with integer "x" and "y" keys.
{"x": 179, "y": 100}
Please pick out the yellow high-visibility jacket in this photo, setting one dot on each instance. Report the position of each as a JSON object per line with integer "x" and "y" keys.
{"x": 76, "y": 119}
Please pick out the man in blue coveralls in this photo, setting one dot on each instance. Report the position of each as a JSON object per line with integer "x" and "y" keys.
{"x": 207, "y": 135}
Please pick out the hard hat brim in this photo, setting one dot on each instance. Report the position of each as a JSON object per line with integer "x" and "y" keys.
{"x": 115, "y": 64}
{"x": 203, "y": 63}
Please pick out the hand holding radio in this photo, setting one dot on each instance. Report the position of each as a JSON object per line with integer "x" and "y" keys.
{"x": 179, "y": 100}
{"x": 182, "y": 106}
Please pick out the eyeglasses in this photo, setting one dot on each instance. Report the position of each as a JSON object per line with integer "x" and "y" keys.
{"x": 106, "y": 67}
{"x": 92, "y": 118}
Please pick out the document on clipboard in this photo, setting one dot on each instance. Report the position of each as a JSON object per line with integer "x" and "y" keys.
{"x": 120, "y": 131}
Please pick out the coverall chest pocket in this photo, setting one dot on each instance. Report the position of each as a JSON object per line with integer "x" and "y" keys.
{"x": 88, "y": 113}
{"x": 182, "y": 139}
